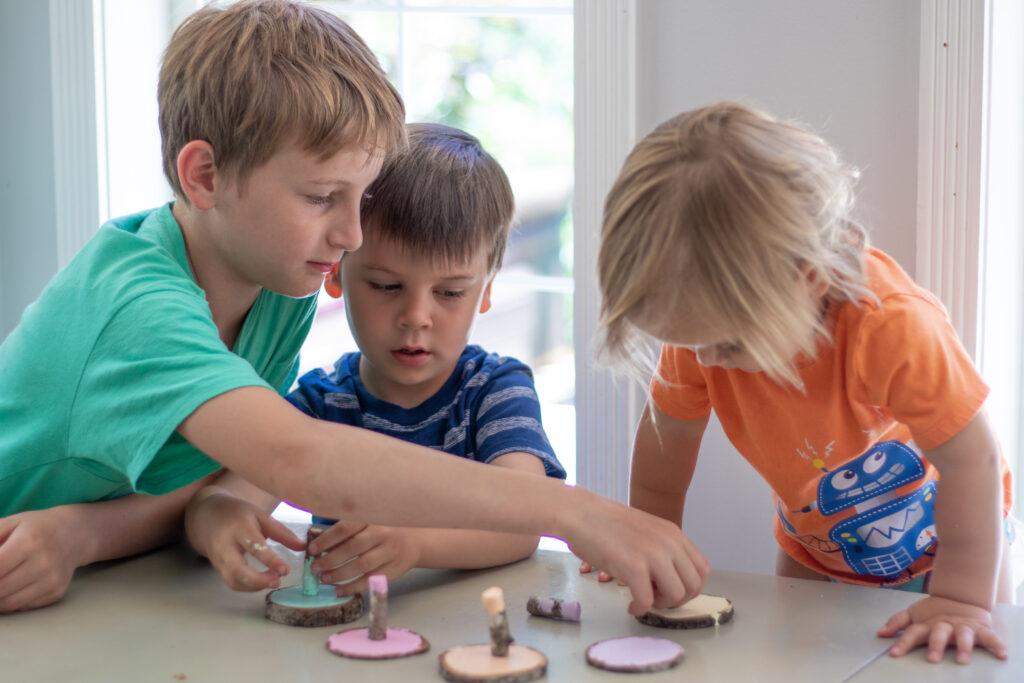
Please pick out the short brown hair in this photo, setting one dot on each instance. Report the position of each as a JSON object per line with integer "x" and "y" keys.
{"x": 253, "y": 76}
{"x": 442, "y": 195}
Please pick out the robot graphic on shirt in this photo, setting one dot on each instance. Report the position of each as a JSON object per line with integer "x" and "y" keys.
{"x": 887, "y": 533}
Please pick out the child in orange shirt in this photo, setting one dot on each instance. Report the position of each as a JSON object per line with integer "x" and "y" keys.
{"x": 840, "y": 380}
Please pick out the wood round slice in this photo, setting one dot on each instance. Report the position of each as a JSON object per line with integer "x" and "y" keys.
{"x": 701, "y": 612}
{"x": 356, "y": 643}
{"x": 290, "y": 607}
{"x": 476, "y": 664}
{"x": 634, "y": 654}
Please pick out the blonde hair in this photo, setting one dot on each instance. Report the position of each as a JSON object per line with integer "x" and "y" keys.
{"x": 258, "y": 74}
{"x": 442, "y": 196}
{"x": 726, "y": 208}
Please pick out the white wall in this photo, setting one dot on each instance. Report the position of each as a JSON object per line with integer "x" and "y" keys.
{"x": 847, "y": 69}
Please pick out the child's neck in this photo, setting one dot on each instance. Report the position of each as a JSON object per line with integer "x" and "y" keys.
{"x": 229, "y": 299}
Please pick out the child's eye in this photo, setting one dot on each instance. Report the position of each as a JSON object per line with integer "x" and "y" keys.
{"x": 451, "y": 293}
{"x": 318, "y": 199}
{"x": 384, "y": 287}
{"x": 730, "y": 349}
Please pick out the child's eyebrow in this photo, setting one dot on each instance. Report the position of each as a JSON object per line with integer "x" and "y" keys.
{"x": 330, "y": 182}
{"x": 455, "y": 277}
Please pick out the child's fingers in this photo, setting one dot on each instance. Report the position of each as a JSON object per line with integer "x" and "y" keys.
{"x": 640, "y": 580}
{"x": 335, "y": 535}
{"x": 343, "y": 553}
{"x": 265, "y": 555}
{"x": 988, "y": 639}
{"x": 938, "y": 640}
{"x": 586, "y": 567}
{"x": 896, "y": 623}
{"x": 239, "y": 576}
{"x": 964, "y": 643}
{"x": 913, "y": 636}
{"x": 13, "y": 589}
{"x": 24, "y": 598}
{"x": 277, "y": 531}
{"x": 364, "y": 564}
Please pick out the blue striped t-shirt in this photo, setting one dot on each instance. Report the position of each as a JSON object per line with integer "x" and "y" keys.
{"x": 488, "y": 407}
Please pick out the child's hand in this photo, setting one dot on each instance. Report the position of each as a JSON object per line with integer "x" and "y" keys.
{"x": 225, "y": 528}
{"x": 939, "y": 623}
{"x": 38, "y": 556}
{"x": 603, "y": 577}
{"x": 661, "y": 566}
{"x": 355, "y": 551}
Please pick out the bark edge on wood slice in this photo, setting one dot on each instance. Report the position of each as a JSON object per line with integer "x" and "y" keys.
{"x": 397, "y": 642}
{"x": 635, "y": 654}
{"x": 476, "y": 664}
{"x": 341, "y": 612}
{"x": 702, "y": 612}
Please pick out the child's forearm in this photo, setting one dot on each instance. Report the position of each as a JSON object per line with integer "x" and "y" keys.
{"x": 125, "y": 526}
{"x": 469, "y": 549}
{"x": 350, "y": 473}
{"x": 968, "y": 516}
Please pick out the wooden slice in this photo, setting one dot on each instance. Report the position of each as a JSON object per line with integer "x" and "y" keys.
{"x": 291, "y": 607}
{"x": 701, "y": 612}
{"x": 635, "y": 654}
{"x": 357, "y": 644}
{"x": 476, "y": 664}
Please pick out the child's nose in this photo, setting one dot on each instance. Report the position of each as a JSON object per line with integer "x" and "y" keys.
{"x": 346, "y": 230}
{"x": 415, "y": 313}
{"x": 709, "y": 356}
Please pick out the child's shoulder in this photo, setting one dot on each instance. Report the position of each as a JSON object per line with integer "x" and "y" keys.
{"x": 891, "y": 284}
{"x": 897, "y": 312}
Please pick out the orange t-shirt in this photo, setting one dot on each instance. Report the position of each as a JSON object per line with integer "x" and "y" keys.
{"x": 853, "y": 494}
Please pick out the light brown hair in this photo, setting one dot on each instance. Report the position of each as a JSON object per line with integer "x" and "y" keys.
{"x": 256, "y": 75}
{"x": 726, "y": 209}
{"x": 443, "y": 196}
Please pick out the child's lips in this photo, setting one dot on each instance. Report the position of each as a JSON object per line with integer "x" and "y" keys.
{"x": 321, "y": 266}
{"x": 410, "y": 356}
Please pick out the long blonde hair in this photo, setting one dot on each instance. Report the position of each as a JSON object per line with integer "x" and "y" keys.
{"x": 727, "y": 208}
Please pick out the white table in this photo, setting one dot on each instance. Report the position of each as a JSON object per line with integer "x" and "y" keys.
{"x": 167, "y": 617}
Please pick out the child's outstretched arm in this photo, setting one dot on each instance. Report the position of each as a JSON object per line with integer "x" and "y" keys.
{"x": 351, "y": 473}
{"x": 231, "y": 518}
{"x": 664, "y": 457}
{"x": 356, "y": 550}
{"x": 40, "y": 550}
{"x": 968, "y": 523}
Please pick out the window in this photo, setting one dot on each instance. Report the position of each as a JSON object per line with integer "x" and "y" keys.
{"x": 503, "y": 71}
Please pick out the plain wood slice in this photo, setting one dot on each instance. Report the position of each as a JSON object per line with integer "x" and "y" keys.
{"x": 356, "y": 644}
{"x": 634, "y": 654}
{"x": 321, "y": 615}
{"x": 476, "y": 664}
{"x": 701, "y": 612}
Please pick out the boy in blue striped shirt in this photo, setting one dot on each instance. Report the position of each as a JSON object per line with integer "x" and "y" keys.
{"x": 436, "y": 222}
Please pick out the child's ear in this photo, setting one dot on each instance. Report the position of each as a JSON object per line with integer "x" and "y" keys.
{"x": 485, "y": 300}
{"x": 332, "y": 284}
{"x": 197, "y": 173}
{"x": 816, "y": 285}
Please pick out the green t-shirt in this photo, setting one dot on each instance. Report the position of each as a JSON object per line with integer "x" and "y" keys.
{"x": 119, "y": 348}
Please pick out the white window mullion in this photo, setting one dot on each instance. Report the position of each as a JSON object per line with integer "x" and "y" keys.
{"x": 950, "y": 158}
{"x": 607, "y": 406}
{"x": 76, "y": 165}
{"x": 1001, "y": 315}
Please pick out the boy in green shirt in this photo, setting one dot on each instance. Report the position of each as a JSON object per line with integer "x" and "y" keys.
{"x": 159, "y": 354}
